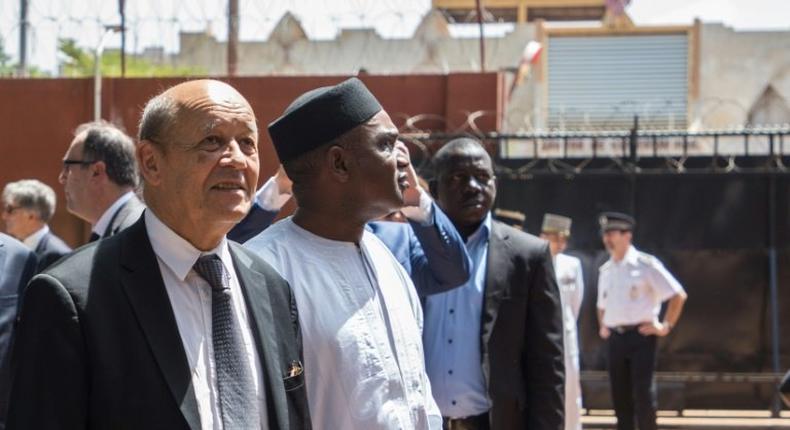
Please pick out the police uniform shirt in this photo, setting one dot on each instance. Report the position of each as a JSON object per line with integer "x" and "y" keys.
{"x": 631, "y": 291}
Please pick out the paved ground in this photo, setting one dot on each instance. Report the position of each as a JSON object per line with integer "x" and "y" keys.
{"x": 698, "y": 420}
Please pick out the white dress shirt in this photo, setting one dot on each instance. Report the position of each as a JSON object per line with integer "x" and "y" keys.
{"x": 361, "y": 322}
{"x": 190, "y": 298}
{"x": 104, "y": 220}
{"x": 270, "y": 197}
{"x": 33, "y": 240}
{"x": 631, "y": 290}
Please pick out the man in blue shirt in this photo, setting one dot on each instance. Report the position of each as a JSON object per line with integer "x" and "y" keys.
{"x": 493, "y": 346}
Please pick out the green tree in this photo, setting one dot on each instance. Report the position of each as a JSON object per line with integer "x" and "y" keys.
{"x": 8, "y": 69}
{"x": 78, "y": 62}
{"x": 5, "y": 68}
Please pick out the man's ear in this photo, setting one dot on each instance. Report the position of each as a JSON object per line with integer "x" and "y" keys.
{"x": 149, "y": 161}
{"x": 337, "y": 161}
{"x": 98, "y": 168}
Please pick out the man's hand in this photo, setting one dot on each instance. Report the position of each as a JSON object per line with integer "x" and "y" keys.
{"x": 604, "y": 332}
{"x": 284, "y": 183}
{"x": 653, "y": 328}
{"x": 411, "y": 195}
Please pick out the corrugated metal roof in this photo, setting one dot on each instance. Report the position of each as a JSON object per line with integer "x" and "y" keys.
{"x": 603, "y": 81}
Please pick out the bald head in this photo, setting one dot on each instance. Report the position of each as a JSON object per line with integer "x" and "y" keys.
{"x": 160, "y": 113}
{"x": 198, "y": 154}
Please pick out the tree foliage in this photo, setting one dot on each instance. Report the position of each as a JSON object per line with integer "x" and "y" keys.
{"x": 79, "y": 62}
{"x": 8, "y": 69}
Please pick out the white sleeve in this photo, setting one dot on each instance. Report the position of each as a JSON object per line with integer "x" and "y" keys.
{"x": 578, "y": 292}
{"x": 269, "y": 196}
{"x": 664, "y": 284}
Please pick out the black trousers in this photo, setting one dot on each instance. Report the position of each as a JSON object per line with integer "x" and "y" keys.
{"x": 632, "y": 362}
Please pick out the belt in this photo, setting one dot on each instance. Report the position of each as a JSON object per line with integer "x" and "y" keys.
{"x": 621, "y": 329}
{"x": 475, "y": 422}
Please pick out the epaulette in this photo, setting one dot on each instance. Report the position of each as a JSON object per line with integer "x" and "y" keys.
{"x": 646, "y": 259}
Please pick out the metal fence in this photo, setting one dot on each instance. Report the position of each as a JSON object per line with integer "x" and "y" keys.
{"x": 714, "y": 206}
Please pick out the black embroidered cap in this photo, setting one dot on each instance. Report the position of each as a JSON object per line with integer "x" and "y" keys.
{"x": 321, "y": 115}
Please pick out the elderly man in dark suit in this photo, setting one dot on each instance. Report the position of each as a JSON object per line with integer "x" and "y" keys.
{"x": 99, "y": 177}
{"x": 17, "y": 265}
{"x": 167, "y": 324}
{"x": 28, "y": 207}
{"x": 493, "y": 346}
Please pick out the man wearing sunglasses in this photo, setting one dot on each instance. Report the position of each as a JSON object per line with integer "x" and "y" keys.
{"x": 99, "y": 177}
{"x": 28, "y": 205}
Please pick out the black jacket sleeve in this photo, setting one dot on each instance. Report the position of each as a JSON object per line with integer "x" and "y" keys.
{"x": 544, "y": 364}
{"x": 50, "y": 379}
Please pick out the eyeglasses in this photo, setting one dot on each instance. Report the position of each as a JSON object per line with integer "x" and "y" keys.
{"x": 67, "y": 162}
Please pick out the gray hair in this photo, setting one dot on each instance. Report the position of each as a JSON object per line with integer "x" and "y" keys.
{"x": 158, "y": 115}
{"x": 108, "y": 143}
{"x": 33, "y": 195}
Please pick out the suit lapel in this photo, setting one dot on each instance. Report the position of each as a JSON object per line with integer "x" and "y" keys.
{"x": 42, "y": 244}
{"x": 148, "y": 297}
{"x": 497, "y": 275}
{"x": 2, "y": 260}
{"x": 256, "y": 296}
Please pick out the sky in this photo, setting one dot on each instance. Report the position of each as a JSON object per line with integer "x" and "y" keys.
{"x": 157, "y": 23}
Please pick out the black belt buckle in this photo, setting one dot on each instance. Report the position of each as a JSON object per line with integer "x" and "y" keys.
{"x": 622, "y": 329}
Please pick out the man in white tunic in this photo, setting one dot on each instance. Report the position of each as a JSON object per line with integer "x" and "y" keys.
{"x": 359, "y": 313}
{"x": 568, "y": 269}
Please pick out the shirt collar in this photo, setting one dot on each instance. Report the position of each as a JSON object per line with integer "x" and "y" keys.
{"x": 482, "y": 232}
{"x": 104, "y": 220}
{"x": 175, "y": 251}
{"x": 34, "y": 239}
{"x": 631, "y": 256}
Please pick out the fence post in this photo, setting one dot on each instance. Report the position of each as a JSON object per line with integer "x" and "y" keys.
{"x": 633, "y": 140}
{"x": 772, "y": 280}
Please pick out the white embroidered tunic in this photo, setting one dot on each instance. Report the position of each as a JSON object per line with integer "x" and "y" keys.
{"x": 361, "y": 325}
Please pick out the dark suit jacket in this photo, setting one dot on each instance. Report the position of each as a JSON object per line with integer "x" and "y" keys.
{"x": 521, "y": 340}
{"x": 257, "y": 220}
{"x": 17, "y": 266}
{"x": 49, "y": 250}
{"x": 98, "y": 346}
{"x": 125, "y": 216}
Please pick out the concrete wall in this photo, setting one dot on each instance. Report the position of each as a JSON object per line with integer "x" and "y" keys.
{"x": 38, "y": 124}
{"x": 737, "y": 68}
{"x": 288, "y": 51}
{"x": 742, "y": 76}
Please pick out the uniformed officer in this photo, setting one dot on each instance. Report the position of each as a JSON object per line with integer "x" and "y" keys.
{"x": 557, "y": 229}
{"x": 631, "y": 287}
